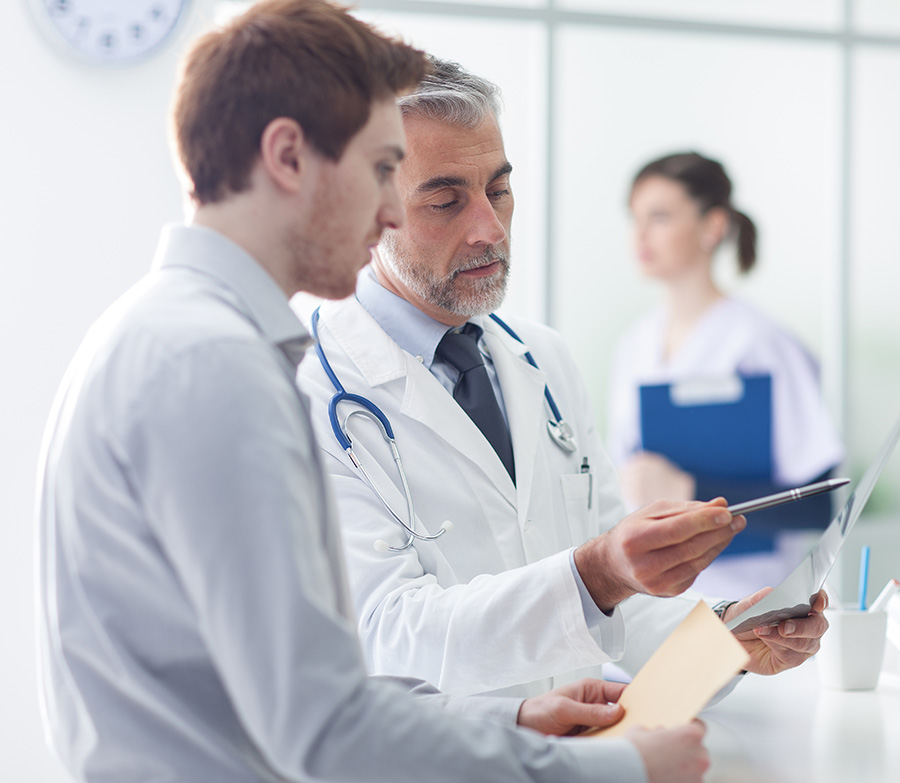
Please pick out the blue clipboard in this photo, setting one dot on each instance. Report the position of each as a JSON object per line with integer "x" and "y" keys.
{"x": 715, "y": 427}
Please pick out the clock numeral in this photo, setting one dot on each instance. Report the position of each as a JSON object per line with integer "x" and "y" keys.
{"x": 107, "y": 31}
{"x": 107, "y": 42}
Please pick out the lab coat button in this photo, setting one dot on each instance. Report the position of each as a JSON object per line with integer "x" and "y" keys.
{"x": 419, "y": 359}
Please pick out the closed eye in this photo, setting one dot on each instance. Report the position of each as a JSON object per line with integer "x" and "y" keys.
{"x": 445, "y": 206}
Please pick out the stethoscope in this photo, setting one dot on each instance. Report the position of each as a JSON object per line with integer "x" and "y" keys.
{"x": 560, "y": 432}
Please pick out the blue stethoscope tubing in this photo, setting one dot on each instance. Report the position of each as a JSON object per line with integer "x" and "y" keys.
{"x": 560, "y": 432}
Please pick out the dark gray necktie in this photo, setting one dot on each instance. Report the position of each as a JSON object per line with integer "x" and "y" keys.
{"x": 473, "y": 390}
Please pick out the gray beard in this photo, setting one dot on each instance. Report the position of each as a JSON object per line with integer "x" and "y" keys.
{"x": 483, "y": 295}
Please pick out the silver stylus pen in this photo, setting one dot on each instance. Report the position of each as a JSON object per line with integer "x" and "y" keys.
{"x": 787, "y": 496}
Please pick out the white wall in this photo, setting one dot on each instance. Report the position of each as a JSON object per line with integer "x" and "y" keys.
{"x": 650, "y": 93}
{"x": 87, "y": 183}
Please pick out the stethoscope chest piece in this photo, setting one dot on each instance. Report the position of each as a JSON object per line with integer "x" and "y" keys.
{"x": 562, "y": 434}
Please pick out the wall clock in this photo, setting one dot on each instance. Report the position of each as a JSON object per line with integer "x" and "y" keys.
{"x": 109, "y": 32}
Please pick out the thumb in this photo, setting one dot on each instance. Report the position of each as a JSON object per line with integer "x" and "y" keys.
{"x": 595, "y": 715}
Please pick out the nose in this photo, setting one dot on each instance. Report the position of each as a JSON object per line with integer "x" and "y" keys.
{"x": 484, "y": 224}
{"x": 639, "y": 233}
{"x": 391, "y": 213}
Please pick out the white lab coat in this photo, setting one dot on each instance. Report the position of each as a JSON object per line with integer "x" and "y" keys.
{"x": 493, "y": 604}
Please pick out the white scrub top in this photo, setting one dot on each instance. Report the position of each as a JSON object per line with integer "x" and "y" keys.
{"x": 732, "y": 337}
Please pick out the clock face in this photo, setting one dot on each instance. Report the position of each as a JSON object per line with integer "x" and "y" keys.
{"x": 109, "y": 31}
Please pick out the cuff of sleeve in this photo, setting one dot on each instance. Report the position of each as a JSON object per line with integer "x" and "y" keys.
{"x": 593, "y": 615}
{"x": 497, "y": 709}
{"x": 617, "y": 758}
{"x": 607, "y": 631}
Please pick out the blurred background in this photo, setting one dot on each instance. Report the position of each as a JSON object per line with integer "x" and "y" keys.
{"x": 798, "y": 98}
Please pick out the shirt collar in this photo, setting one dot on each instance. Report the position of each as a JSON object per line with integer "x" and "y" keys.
{"x": 414, "y": 331}
{"x": 258, "y": 295}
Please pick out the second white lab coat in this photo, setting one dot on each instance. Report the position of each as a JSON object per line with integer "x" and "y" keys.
{"x": 493, "y": 604}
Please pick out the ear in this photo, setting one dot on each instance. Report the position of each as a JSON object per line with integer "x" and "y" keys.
{"x": 282, "y": 150}
{"x": 715, "y": 229}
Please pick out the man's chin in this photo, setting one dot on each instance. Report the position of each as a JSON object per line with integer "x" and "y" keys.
{"x": 476, "y": 303}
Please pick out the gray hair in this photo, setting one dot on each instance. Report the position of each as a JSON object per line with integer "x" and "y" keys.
{"x": 453, "y": 95}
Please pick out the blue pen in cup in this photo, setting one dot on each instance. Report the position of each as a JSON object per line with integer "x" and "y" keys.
{"x": 863, "y": 577}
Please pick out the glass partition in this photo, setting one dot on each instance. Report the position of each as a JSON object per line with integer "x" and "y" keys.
{"x": 876, "y": 17}
{"x": 768, "y": 109}
{"x": 874, "y": 279}
{"x": 806, "y": 14}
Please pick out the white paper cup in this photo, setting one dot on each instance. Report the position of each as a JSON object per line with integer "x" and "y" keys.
{"x": 852, "y": 650}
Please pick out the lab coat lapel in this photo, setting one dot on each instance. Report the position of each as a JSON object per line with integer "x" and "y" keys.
{"x": 380, "y": 360}
{"x": 426, "y": 401}
{"x": 523, "y": 396}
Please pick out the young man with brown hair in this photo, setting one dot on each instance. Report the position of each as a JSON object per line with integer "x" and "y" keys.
{"x": 195, "y": 623}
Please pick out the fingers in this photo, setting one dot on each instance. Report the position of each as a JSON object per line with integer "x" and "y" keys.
{"x": 572, "y": 708}
{"x": 820, "y": 601}
{"x": 665, "y": 524}
{"x": 671, "y": 570}
{"x": 796, "y": 630}
{"x": 576, "y": 714}
{"x": 751, "y": 600}
{"x": 672, "y": 755}
{"x": 774, "y": 649}
{"x": 658, "y": 550}
{"x": 599, "y": 691}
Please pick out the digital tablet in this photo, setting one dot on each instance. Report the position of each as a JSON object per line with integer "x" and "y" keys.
{"x": 793, "y": 597}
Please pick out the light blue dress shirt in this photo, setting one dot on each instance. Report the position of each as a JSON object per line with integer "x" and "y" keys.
{"x": 195, "y": 622}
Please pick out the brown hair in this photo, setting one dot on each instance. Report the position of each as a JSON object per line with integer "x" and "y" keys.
{"x": 707, "y": 184}
{"x": 308, "y": 60}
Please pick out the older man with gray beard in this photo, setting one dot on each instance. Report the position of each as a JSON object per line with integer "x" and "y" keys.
{"x": 497, "y": 557}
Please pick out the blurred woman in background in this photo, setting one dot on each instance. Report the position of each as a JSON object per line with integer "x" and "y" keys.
{"x": 682, "y": 213}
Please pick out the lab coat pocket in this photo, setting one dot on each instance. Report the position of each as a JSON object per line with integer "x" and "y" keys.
{"x": 576, "y": 492}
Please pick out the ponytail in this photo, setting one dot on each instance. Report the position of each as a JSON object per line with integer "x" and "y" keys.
{"x": 745, "y": 236}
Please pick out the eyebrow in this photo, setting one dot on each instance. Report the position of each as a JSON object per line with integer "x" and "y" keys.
{"x": 436, "y": 183}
